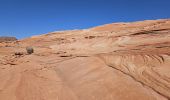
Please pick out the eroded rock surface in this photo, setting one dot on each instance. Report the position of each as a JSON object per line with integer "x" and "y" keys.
{"x": 119, "y": 61}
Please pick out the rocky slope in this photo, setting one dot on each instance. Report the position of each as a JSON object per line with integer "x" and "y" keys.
{"x": 119, "y": 61}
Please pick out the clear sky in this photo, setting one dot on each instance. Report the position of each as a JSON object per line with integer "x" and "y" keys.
{"x": 24, "y": 18}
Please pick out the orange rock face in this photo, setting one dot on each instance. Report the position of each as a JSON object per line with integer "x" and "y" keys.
{"x": 119, "y": 61}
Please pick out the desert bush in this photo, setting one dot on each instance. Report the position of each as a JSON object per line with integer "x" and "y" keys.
{"x": 30, "y": 50}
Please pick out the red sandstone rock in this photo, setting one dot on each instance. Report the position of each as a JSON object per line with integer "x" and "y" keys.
{"x": 119, "y": 61}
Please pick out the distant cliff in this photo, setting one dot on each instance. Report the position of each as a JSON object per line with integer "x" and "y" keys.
{"x": 4, "y": 38}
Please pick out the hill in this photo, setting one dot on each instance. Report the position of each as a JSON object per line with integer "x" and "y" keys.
{"x": 118, "y": 61}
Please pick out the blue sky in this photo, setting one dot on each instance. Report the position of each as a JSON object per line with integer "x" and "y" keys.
{"x": 24, "y": 18}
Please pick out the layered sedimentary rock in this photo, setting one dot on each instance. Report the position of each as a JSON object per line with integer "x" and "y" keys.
{"x": 119, "y": 61}
{"x": 6, "y": 39}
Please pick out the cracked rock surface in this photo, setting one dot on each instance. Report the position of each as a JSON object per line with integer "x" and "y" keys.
{"x": 119, "y": 61}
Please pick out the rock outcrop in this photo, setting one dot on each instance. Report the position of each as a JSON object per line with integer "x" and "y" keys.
{"x": 6, "y": 39}
{"x": 119, "y": 61}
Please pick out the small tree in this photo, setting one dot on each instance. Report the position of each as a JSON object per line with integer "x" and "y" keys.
{"x": 30, "y": 50}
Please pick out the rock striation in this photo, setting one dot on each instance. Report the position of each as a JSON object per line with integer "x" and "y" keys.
{"x": 118, "y": 61}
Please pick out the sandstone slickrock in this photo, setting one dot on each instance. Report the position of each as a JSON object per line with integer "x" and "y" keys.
{"x": 119, "y": 61}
